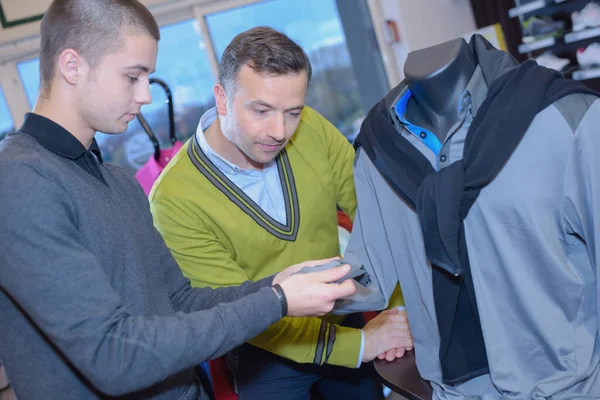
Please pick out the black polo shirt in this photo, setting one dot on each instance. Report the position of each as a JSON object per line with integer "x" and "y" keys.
{"x": 59, "y": 141}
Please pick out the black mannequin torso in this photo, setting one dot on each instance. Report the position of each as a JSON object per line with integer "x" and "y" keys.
{"x": 437, "y": 77}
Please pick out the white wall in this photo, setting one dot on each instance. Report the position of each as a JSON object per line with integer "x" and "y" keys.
{"x": 21, "y": 9}
{"x": 429, "y": 22}
{"x": 424, "y": 23}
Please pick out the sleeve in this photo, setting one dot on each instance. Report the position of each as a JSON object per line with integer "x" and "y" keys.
{"x": 48, "y": 271}
{"x": 364, "y": 249}
{"x": 362, "y": 349}
{"x": 341, "y": 156}
{"x": 206, "y": 261}
{"x": 582, "y": 188}
{"x": 183, "y": 296}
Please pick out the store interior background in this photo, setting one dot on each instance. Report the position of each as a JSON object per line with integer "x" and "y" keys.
{"x": 357, "y": 47}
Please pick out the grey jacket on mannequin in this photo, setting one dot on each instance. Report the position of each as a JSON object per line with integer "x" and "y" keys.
{"x": 533, "y": 251}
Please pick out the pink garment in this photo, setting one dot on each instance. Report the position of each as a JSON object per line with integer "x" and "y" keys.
{"x": 150, "y": 172}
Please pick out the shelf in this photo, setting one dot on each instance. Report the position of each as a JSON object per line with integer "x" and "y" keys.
{"x": 529, "y": 7}
{"x": 532, "y": 6}
{"x": 538, "y": 44}
{"x": 582, "y": 35}
{"x": 568, "y": 38}
{"x": 588, "y": 73}
{"x": 569, "y": 69}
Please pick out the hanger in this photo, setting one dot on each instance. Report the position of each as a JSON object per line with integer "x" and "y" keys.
{"x": 169, "y": 102}
{"x": 146, "y": 126}
{"x": 150, "y": 134}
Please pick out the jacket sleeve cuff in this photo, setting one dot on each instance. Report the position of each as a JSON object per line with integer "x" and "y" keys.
{"x": 346, "y": 348}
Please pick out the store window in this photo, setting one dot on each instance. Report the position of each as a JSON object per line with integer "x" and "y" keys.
{"x": 315, "y": 25}
{"x": 183, "y": 66}
{"x": 30, "y": 76}
{"x": 6, "y": 121}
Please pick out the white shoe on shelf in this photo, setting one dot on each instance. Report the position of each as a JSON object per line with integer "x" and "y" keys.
{"x": 588, "y": 17}
{"x": 549, "y": 60}
{"x": 589, "y": 56}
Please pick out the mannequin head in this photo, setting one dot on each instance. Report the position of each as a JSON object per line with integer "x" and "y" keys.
{"x": 437, "y": 77}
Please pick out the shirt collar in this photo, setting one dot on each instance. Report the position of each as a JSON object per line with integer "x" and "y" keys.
{"x": 477, "y": 91}
{"x": 427, "y": 137}
{"x": 224, "y": 165}
{"x": 473, "y": 96}
{"x": 56, "y": 138}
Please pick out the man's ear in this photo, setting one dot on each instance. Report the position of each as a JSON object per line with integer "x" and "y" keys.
{"x": 71, "y": 66}
{"x": 220, "y": 99}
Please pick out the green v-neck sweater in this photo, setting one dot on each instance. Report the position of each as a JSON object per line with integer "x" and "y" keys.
{"x": 220, "y": 237}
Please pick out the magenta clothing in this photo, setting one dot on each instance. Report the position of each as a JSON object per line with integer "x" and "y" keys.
{"x": 150, "y": 172}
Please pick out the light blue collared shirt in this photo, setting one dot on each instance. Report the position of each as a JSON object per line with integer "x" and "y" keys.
{"x": 263, "y": 187}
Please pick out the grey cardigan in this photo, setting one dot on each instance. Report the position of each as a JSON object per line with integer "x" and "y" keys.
{"x": 92, "y": 304}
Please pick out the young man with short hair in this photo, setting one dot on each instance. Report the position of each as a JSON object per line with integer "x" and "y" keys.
{"x": 92, "y": 303}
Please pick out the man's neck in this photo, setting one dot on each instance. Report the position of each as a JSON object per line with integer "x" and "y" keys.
{"x": 55, "y": 113}
{"x": 229, "y": 151}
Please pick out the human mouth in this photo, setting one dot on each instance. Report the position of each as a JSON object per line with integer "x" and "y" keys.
{"x": 270, "y": 147}
{"x": 130, "y": 117}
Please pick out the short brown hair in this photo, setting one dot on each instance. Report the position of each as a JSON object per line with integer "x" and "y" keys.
{"x": 265, "y": 50}
{"x": 91, "y": 27}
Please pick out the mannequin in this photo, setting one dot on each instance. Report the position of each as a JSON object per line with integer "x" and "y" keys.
{"x": 437, "y": 77}
{"x": 488, "y": 210}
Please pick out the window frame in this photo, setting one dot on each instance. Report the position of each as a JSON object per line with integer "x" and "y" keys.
{"x": 166, "y": 13}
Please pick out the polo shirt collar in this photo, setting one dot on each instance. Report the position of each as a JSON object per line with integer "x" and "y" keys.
{"x": 56, "y": 138}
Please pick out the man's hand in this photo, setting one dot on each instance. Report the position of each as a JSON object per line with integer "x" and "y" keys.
{"x": 387, "y": 336}
{"x": 312, "y": 294}
{"x": 286, "y": 273}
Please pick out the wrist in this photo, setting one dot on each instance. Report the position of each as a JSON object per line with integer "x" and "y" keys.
{"x": 282, "y": 299}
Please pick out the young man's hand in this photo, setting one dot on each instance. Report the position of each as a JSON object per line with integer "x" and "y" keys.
{"x": 297, "y": 267}
{"x": 312, "y": 294}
